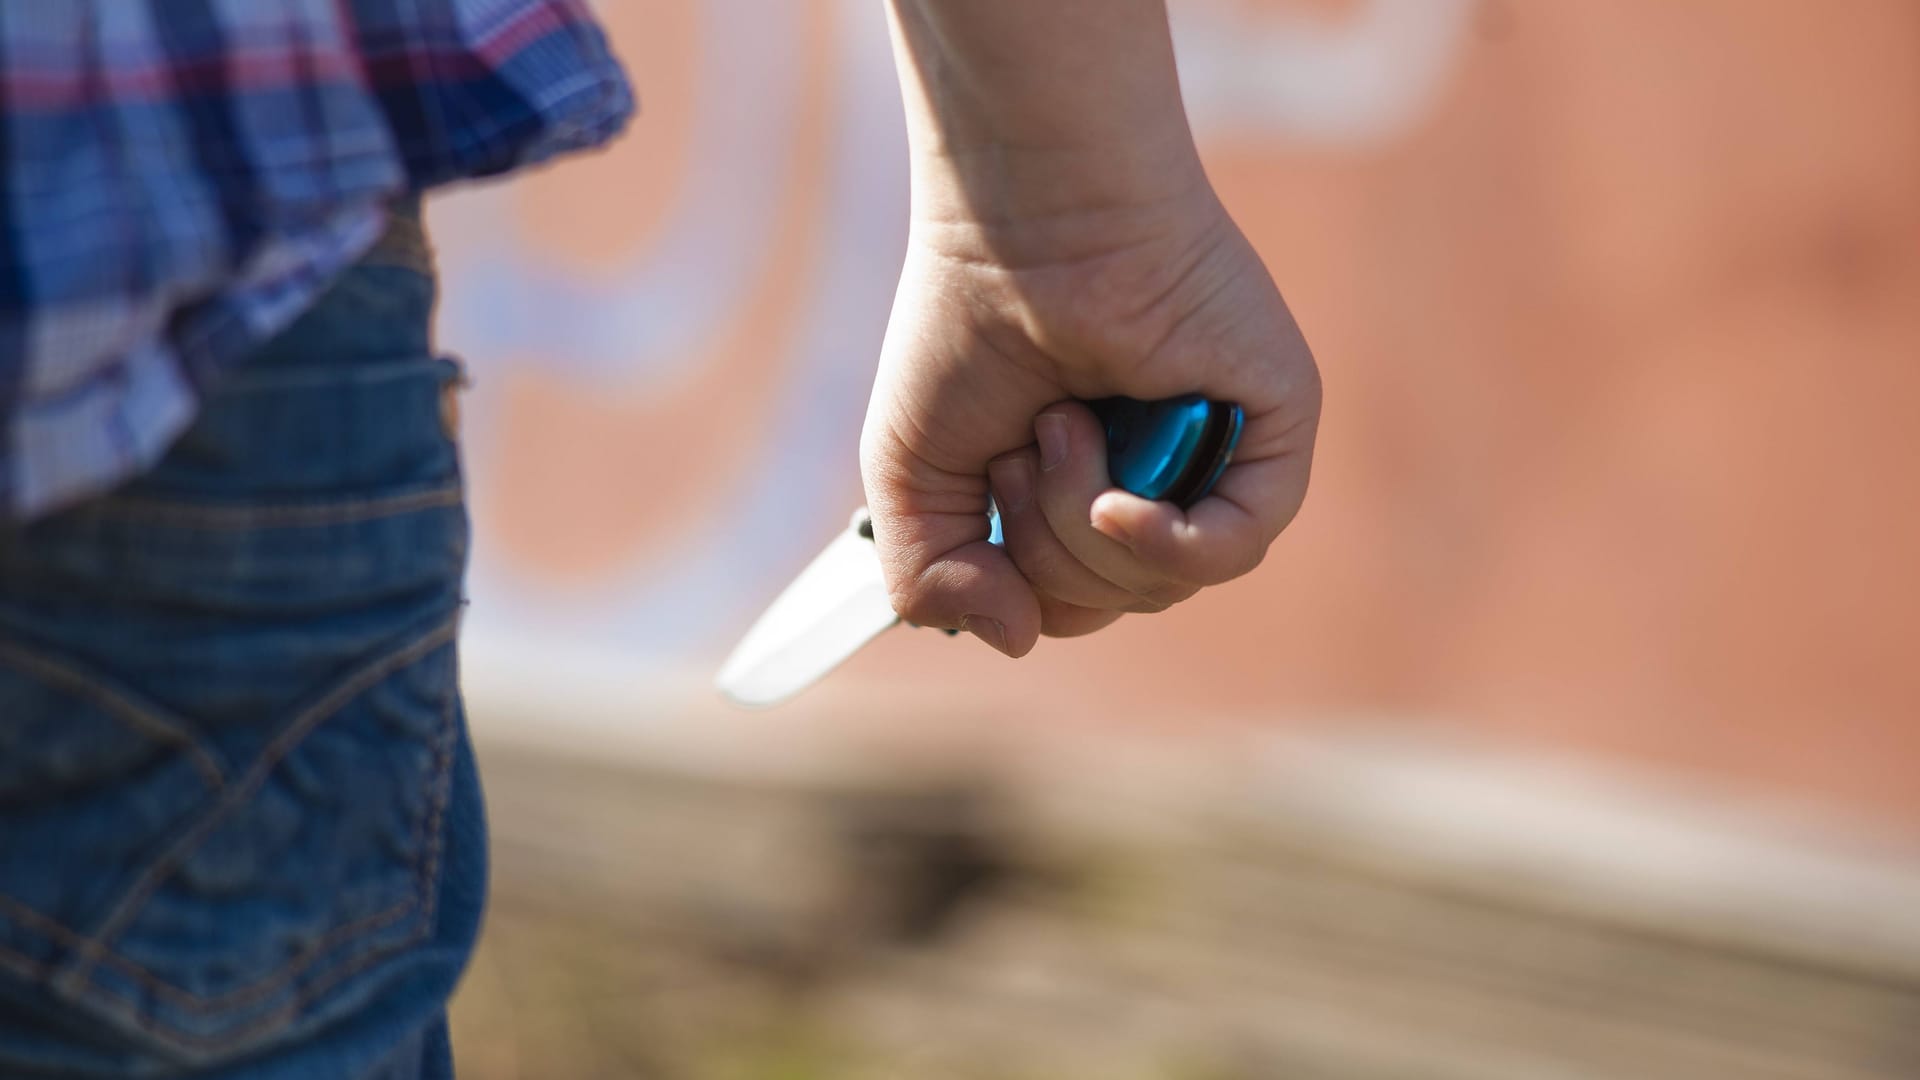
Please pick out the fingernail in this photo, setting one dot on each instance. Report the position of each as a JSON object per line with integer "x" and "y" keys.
{"x": 1012, "y": 482}
{"x": 1050, "y": 430}
{"x": 987, "y": 630}
{"x": 1112, "y": 530}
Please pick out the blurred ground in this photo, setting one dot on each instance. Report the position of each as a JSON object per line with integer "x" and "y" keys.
{"x": 1312, "y": 911}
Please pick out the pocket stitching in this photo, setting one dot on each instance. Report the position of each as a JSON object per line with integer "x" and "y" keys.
{"x": 240, "y": 995}
{"x": 96, "y": 948}
{"x": 144, "y": 717}
{"x": 429, "y": 828}
{"x": 423, "y": 899}
{"x": 432, "y": 820}
{"x": 24, "y": 966}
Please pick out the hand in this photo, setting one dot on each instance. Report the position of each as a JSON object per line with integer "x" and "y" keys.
{"x": 996, "y": 330}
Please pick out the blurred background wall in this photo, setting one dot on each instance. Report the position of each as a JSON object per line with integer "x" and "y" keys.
{"x": 1572, "y": 732}
{"x": 1618, "y": 305}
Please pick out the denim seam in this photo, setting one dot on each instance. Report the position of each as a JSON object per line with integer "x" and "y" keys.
{"x": 35, "y": 921}
{"x": 306, "y": 995}
{"x": 238, "y": 518}
{"x": 437, "y": 810}
{"x": 431, "y": 821}
{"x": 27, "y": 968}
{"x": 427, "y": 829}
{"x": 151, "y": 720}
{"x": 66, "y": 936}
{"x": 93, "y": 948}
{"x": 131, "y": 1011}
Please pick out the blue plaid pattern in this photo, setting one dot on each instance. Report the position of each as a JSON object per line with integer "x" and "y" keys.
{"x": 182, "y": 178}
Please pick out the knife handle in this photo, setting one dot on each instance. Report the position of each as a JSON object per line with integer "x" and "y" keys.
{"x": 1173, "y": 449}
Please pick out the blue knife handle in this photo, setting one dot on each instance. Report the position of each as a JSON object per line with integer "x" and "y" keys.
{"x": 1173, "y": 449}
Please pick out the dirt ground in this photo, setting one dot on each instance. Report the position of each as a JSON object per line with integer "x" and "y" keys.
{"x": 653, "y": 925}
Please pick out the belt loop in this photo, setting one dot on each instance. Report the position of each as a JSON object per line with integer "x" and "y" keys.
{"x": 405, "y": 243}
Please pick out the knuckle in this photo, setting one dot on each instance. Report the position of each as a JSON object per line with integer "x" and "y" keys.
{"x": 902, "y": 599}
{"x": 915, "y": 606}
{"x": 911, "y": 598}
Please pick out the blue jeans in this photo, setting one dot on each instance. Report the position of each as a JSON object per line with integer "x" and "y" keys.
{"x": 240, "y": 828}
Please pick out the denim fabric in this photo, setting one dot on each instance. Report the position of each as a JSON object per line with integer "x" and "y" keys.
{"x": 240, "y": 827}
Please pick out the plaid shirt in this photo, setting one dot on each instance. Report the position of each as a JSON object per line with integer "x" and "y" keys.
{"x": 181, "y": 178}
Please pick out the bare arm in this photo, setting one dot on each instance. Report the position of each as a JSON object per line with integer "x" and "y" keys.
{"x": 1065, "y": 244}
{"x": 1019, "y": 112}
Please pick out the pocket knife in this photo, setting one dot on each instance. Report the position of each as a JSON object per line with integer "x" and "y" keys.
{"x": 1174, "y": 449}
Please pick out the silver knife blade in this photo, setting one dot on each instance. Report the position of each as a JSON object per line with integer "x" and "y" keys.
{"x": 836, "y": 605}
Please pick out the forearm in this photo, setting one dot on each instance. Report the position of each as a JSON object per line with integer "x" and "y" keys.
{"x": 1065, "y": 245}
{"x": 1024, "y": 112}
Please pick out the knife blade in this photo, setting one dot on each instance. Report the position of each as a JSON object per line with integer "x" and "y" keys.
{"x": 836, "y": 605}
{"x": 1173, "y": 449}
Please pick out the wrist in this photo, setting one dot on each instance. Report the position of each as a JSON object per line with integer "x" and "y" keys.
{"x": 1024, "y": 116}
{"x": 995, "y": 181}
{"x": 1025, "y": 207}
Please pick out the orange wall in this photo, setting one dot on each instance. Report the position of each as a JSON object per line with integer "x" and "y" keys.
{"x": 1618, "y": 305}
